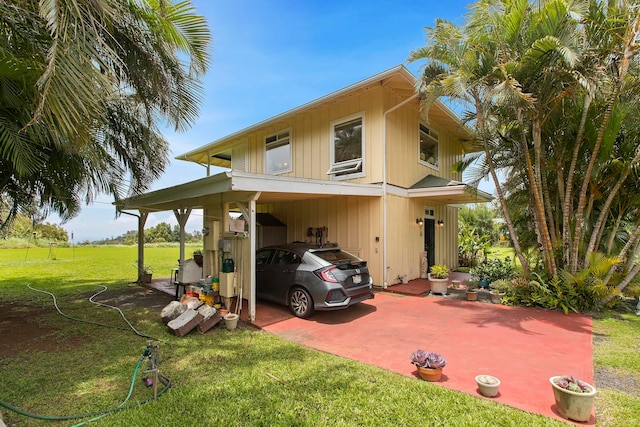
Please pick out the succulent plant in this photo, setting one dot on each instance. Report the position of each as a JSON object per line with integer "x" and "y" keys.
{"x": 428, "y": 359}
{"x": 571, "y": 383}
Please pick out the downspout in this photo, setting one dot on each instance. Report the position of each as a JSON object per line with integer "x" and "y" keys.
{"x": 385, "y": 279}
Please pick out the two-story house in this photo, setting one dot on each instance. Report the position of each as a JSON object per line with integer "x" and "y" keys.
{"x": 362, "y": 167}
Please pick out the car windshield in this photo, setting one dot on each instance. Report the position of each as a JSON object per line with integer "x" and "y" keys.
{"x": 337, "y": 256}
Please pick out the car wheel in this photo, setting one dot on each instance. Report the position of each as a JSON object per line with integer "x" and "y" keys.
{"x": 300, "y": 303}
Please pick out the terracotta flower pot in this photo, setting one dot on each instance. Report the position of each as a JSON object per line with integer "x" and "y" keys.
{"x": 429, "y": 374}
{"x": 472, "y": 296}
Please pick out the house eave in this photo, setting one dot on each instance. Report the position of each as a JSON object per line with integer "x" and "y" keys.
{"x": 201, "y": 155}
{"x": 239, "y": 186}
{"x": 451, "y": 194}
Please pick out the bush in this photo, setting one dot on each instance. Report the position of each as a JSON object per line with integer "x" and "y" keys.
{"x": 492, "y": 270}
{"x": 578, "y": 293}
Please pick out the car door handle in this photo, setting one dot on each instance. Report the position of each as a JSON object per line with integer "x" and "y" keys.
{"x": 288, "y": 271}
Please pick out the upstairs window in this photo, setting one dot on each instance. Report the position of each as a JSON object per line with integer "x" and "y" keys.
{"x": 347, "y": 148}
{"x": 428, "y": 146}
{"x": 277, "y": 158}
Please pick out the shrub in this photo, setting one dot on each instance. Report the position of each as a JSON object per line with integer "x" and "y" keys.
{"x": 501, "y": 285}
{"x": 492, "y": 270}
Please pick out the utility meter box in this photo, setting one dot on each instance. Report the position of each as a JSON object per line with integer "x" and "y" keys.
{"x": 224, "y": 245}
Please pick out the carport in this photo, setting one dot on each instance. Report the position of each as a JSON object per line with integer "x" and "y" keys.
{"x": 231, "y": 191}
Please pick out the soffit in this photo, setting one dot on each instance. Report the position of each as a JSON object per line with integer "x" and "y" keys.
{"x": 241, "y": 187}
{"x": 447, "y": 191}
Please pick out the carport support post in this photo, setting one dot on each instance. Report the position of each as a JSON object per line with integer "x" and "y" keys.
{"x": 252, "y": 258}
{"x": 182, "y": 215}
{"x": 142, "y": 219}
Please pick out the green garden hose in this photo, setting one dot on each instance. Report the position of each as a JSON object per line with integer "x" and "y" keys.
{"x": 97, "y": 415}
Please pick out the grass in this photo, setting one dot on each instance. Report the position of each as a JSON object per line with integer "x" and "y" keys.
{"x": 617, "y": 353}
{"x": 239, "y": 378}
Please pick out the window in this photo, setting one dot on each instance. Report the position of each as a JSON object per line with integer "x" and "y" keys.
{"x": 347, "y": 148}
{"x": 428, "y": 146}
{"x": 286, "y": 258}
{"x": 263, "y": 256}
{"x": 278, "y": 153}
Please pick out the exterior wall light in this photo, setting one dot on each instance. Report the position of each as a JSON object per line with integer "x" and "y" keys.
{"x": 419, "y": 221}
{"x": 440, "y": 223}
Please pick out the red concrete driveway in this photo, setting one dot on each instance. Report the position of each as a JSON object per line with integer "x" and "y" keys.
{"x": 522, "y": 347}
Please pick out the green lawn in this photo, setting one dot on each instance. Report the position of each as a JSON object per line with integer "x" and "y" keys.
{"x": 239, "y": 378}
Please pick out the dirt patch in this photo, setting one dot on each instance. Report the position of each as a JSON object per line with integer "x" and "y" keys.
{"x": 20, "y": 329}
{"x": 615, "y": 380}
{"x": 21, "y": 325}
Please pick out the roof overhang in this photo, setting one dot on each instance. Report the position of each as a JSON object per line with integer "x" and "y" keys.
{"x": 397, "y": 79}
{"x": 443, "y": 190}
{"x": 234, "y": 186}
{"x": 451, "y": 195}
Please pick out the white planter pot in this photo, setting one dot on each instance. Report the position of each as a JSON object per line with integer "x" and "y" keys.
{"x": 439, "y": 286}
{"x": 573, "y": 405}
{"x": 488, "y": 385}
{"x": 496, "y": 297}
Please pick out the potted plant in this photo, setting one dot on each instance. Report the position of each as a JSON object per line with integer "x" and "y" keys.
{"x": 147, "y": 273}
{"x": 197, "y": 257}
{"x": 439, "y": 278}
{"x": 574, "y": 398}
{"x": 499, "y": 289}
{"x": 488, "y": 385}
{"x": 472, "y": 290}
{"x": 429, "y": 364}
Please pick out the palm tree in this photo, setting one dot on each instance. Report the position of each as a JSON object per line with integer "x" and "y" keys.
{"x": 84, "y": 87}
{"x": 551, "y": 85}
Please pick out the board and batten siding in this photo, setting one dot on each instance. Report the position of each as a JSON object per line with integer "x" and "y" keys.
{"x": 403, "y": 153}
{"x": 406, "y": 238}
{"x": 352, "y": 222}
{"x": 311, "y": 137}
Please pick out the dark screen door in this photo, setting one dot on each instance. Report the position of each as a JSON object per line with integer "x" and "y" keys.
{"x": 430, "y": 240}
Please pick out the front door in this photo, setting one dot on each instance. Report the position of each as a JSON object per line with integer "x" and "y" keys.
{"x": 430, "y": 240}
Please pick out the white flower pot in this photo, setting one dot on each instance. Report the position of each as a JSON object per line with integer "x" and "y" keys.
{"x": 439, "y": 286}
{"x": 488, "y": 385}
{"x": 573, "y": 405}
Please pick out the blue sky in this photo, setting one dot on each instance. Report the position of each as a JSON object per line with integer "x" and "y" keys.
{"x": 269, "y": 56}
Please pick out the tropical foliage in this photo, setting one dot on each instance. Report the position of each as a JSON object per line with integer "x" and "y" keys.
{"x": 29, "y": 228}
{"x": 476, "y": 233}
{"x": 550, "y": 88}
{"x": 439, "y": 271}
{"x": 493, "y": 269}
{"x": 84, "y": 87}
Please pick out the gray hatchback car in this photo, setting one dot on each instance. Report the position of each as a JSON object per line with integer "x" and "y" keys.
{"x": 306, "y": 278}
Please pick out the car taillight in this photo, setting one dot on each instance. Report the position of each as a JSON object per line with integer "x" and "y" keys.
{"x": 326, "y": 274}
